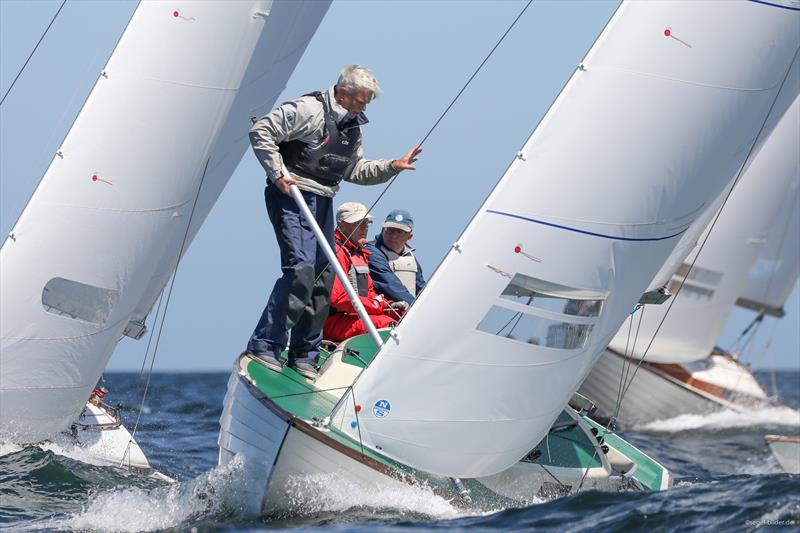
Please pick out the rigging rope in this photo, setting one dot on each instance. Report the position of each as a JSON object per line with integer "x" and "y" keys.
{"x": 716, "y": 218}
{"x": 166, "y": 304}
{"x": 32, "y": 52}
{"x": 438, "y": 120}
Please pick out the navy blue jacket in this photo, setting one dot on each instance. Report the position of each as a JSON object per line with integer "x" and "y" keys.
{"x": 384, "y": 279}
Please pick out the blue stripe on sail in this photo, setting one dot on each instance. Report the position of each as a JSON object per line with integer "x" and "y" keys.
{"x": 576, "y": 230}
{"x": 790, "y": 8}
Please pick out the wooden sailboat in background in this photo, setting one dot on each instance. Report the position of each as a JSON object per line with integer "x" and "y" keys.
{"x": 148, "y": 155}
{"x": 646, "y": 134}
{"x": 751, "y": 259}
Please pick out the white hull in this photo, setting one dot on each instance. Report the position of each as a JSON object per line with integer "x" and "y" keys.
{"x": 101, "y": 434}
{"x": 276, "y": 455}
{"x": 656, "y": 395}
{"x": 786, "y": 450}
{"x": 284, "y": 457}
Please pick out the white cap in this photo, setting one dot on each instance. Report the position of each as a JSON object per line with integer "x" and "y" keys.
{"x": 352, "y": 212}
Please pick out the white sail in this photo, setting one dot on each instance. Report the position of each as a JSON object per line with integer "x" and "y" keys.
{"x": 775, "y": 271}
{"x": 690, "y": 239}
{"x": 754, "y": 216}
{"x": 646, "y": 134}
{"x": 101, "y": 234}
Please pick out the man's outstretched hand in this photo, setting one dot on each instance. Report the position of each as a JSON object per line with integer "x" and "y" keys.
{"x": 407, "y": 161}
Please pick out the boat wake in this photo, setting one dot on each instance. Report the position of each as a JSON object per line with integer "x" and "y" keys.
{"x": 62, "y": 445}
{"x": 726, "y": 419}
{"x": 212, "y": 495}
{"x": 332, "y": 493}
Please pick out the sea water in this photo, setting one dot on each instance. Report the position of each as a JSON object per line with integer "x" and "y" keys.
{"x": 726, "y": 478}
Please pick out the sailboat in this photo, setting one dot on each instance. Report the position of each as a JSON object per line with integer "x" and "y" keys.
{"x": 751, "y": 258}
{"x": 786, "y": 449}
{"x": 141, "y": 167}
{"x": 644, "y": 137}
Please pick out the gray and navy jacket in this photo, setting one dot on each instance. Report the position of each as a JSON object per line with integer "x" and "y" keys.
{"x": 384, "y": 279}
{"x": 304, "y": 120}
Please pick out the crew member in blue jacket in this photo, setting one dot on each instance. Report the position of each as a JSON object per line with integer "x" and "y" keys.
{"x": 394, "y": 268}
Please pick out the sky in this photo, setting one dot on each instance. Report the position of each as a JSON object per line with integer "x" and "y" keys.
{"x": 421, "y": 52}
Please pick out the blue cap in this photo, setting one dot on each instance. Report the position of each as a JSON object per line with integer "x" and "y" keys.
{"x": 399, "y": 219}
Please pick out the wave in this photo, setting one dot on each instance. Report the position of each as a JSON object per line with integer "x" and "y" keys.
{"x": 726, "y": 419}
{"x": 213, "y": 494}
{"x": 332, "y": 493}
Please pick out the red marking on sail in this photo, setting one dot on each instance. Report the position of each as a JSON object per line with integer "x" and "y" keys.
{"x": 97, "y": 178}
{"x": 177, "y": 14}
{"x": 668, "y": 33}
{"x": 500, "y": 271}
{"x": 358, "y": 408}
{"x": 518, "y": 250}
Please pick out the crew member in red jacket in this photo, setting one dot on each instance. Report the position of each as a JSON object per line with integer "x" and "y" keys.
{"x": 352, "y": 224}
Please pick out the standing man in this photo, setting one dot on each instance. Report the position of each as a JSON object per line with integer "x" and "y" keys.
{"x": 313, "y": 142}
{"x": 395, "y": 271}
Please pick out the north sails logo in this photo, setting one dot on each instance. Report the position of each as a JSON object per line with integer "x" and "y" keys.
{"x": 381, "y": 408}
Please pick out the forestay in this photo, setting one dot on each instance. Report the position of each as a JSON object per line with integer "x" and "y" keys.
{"x": 101, "y": 234}
{"x": 752, "y": 222}
{"x": 646, "y": 134}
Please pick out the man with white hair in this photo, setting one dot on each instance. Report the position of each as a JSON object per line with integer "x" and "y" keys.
{"x": 313, "y": 142}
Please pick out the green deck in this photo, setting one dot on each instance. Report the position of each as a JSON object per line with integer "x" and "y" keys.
{"x": 568, "y": 447}
{"x": 648, "y": 472}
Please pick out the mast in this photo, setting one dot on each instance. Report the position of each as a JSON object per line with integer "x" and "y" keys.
{"x": 645, "y": 136}
{"x": 102, "y": 233}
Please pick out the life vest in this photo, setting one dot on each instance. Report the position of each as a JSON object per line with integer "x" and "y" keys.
{"x": 326, "y": 162}
{"x": 404, "y": 267}
{"x": 359, "y": 269}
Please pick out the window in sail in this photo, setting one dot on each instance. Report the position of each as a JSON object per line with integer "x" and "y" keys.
{"x": 79, "y": 301}
{"x": 552, "y": 297}
{"x": 699, "y": 274}
{"x": 534, "y": 330}
{"x": 690, "y": 289}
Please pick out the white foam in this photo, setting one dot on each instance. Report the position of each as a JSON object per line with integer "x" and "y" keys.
{"x": 331, "y": 492}
{"x": 136, "y": 509}
{"x": 771, "y": 416}
{"x": 9, "y": 447}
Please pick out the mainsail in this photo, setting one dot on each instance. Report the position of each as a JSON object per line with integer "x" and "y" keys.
{"x": 646, "y": 134}
{"x": 102, "y": 233}
{"x": 747, "y": 252}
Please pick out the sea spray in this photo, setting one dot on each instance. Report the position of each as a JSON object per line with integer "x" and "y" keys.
{"x": 213, "y": 494}
{"x": 726, "y": 420}
{"x": 334, "y": 493}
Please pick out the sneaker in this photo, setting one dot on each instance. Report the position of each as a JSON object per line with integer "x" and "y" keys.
{"x": 307, "y": 370}
{"x": 267, "y": 360}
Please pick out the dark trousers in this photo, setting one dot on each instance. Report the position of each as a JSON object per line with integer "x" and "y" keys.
{"x": 301, "y": 297}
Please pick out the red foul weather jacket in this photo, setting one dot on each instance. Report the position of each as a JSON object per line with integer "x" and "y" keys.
{"x": 343, "y": 321}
